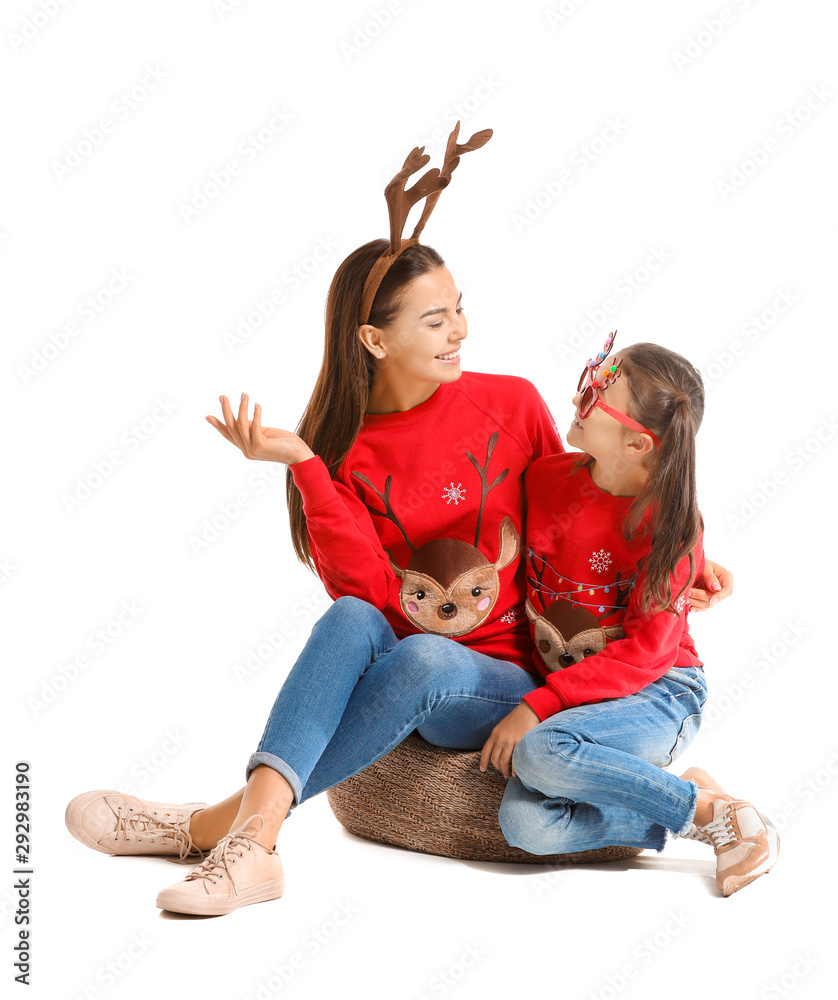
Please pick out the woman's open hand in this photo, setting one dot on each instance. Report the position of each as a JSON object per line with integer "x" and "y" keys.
{"x": 504, "y": 738}
{"x": 267, "y": 444}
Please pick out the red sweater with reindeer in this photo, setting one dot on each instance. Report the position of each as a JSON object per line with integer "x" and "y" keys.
{"x": 425, "y": 516}
{"x": 592, "y": 641}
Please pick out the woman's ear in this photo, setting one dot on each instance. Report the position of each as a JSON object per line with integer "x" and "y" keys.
{"x": 370, "y": 337}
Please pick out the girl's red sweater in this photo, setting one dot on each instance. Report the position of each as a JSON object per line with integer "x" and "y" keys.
{"x": 579, "y": 568}
{"x": 425, "y": 516}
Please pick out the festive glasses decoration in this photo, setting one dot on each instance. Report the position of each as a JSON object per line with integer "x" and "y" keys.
{"x": 592, "y": 380}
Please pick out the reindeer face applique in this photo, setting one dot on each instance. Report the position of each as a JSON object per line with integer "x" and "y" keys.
{"x": 565, "y": 634}
{"x": 449, "y": 586}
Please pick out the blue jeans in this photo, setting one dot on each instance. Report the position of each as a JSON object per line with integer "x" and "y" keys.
{"x": 592, "y": 776}
{"x": 356, "y": 691}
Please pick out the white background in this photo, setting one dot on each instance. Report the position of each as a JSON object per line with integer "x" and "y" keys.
{"x": 698, "y": 171}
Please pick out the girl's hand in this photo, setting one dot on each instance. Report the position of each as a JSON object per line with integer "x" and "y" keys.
{"x": 267, "y": 444}
{"x": 505, "y": 736}
{"x": 714, "y": 585}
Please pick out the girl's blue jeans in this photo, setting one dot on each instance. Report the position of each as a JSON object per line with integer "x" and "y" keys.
{"x": 356, "y": 691}
{"x": 593, "y": 776}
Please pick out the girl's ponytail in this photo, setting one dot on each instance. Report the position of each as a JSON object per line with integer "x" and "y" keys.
{"x": 667, "y": 396}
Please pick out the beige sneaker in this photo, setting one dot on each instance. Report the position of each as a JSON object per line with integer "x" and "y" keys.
{"x": 703, "y": 780}
{"x": 114, "y": 823}
{"x": 237, "y": 871}
{"x": 745, "y": 842}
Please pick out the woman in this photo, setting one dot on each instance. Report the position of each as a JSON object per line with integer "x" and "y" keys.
{"x": 405, "y": 489}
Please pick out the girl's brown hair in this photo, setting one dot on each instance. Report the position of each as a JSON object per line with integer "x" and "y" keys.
{"x": 666, "y": 395}
{"x": 334, "y": 415}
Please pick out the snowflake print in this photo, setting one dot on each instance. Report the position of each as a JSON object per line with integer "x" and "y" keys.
{"x": 455, "y": 493}
{"x": 509, "y": 616}
{"x": 600, "y": 561}
{"x": 680, "y": 604}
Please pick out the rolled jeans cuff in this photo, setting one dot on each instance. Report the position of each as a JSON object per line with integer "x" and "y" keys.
{"x": 690, "y": 810}
{"x": 278, "y": 764}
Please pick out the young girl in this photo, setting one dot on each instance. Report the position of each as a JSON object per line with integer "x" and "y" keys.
{"x": 406, "y": 493}
{"x": 614, "y": 541}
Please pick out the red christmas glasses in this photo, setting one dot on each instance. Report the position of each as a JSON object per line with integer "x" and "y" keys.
{"x": 592, "y": 380}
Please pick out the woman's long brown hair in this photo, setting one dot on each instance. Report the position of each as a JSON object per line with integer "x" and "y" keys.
{"x": 334, "y": 415}
{"x": 666, "y": 395}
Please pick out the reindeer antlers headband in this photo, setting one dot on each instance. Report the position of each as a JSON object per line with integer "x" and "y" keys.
{"x": 400, "y": 200}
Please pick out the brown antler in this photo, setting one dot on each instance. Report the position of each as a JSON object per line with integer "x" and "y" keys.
{"x": 453, "y": 152}
{"x": 388, "y": 513}
{"x": 400, "y": 200}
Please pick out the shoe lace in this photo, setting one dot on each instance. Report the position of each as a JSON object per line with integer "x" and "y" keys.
{"x": 697, "y": 833}
{"x": 142, "y": 823}
{"x": 225, "y": 853}
{"x": 721, "y": 831}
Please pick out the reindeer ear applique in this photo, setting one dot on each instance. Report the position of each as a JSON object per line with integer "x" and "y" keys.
{"x": 400, "y": 200}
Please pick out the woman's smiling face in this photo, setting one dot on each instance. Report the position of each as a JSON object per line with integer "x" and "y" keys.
{"x": 423, "y": 341}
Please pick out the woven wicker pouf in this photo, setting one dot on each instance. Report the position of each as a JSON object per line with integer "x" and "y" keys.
{"x": 437, "y": 801}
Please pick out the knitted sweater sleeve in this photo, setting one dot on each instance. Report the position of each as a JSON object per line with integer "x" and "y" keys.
{"x": 344, "y": 543}
{"x": 650, "y": 648}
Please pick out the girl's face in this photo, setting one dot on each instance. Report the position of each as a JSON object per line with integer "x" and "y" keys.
{"x": 423, "y": 342}
{"x": 599, "y": 434}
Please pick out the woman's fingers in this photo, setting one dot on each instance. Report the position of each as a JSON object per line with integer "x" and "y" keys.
{"x": 216, "y": 423}
{"x": 243, "y": 424}
{"x": 256, "y": 426}
{"x": 230, "y": 421}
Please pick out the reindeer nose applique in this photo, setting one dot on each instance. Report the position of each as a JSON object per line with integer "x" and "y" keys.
{"x": 568, "y": 658}
{"x": 446, "y": 611}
